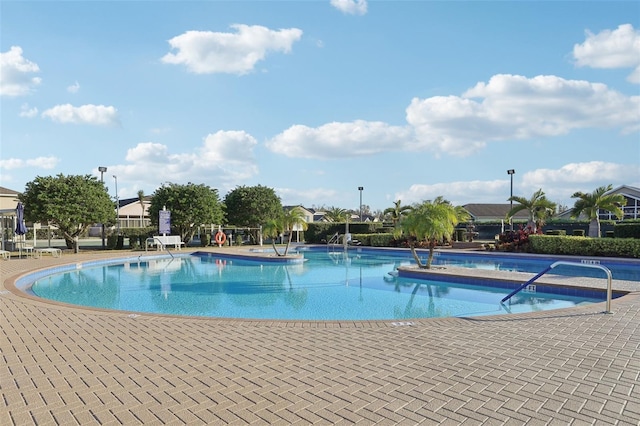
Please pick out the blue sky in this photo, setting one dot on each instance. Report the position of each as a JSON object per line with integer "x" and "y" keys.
{"x": 410, "y": 100}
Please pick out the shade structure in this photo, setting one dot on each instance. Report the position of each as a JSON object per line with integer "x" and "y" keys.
{"x": 21, "y": 229}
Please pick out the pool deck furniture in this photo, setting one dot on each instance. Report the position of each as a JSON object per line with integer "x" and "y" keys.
{"x": 172, "y": 241}
{"x": 54, "y": 252}
{"x": 6, "y": 255}
{"x": 28, "y": 251}
{"x": 74, "y": 365}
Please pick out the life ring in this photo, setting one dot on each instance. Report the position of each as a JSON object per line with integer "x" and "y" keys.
{"x": 221, "y": 238}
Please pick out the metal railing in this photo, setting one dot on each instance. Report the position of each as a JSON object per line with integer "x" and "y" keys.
{"x": 160, "y": 243}
{"x": 553, "y": 265}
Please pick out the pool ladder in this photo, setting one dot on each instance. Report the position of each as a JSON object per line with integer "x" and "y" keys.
{"x": 553, "y": 265}
{"x": 161, "y": 244}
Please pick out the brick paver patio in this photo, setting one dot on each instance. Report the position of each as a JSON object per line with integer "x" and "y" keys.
{"x": 65, "y": 366}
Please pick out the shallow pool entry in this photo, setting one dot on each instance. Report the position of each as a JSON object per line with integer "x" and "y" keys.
{"x": 327, "y": 286}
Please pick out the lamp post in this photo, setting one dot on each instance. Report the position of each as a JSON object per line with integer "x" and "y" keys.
{"x": 102, "y": 169}
{"x": 360, "y": 188}
{"x": 511, "y": 172}
{"x": 117, "y": 206}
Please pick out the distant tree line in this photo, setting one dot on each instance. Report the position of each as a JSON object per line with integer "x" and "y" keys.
{"x": 73, "y": 203}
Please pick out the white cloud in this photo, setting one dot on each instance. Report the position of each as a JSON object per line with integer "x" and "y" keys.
{"x": 27, "y": 112}
{"x": 339, "y": 140}
{"x": 563, "y": 182}
{"x": 15, "y": 79}
{"x": 350, "y": 7}
{"x": 86, "y": 114}
{"x": 224, "y": 160}
{"x": 74, "y": 88}
{"x": 619, "y": 48}
{"x": 458, "y": 193}
{"x": 43, "y": 162}
{"x": 46, "y": 163}
{"x": 557, "y": 184}
{"x": 508, "y": 107}
{"x": 517, "y": 107}
{"x": 307, "y": 197}
{"x": 206, "y": 52}
{"x": 560, "y": 184}
{"x": 228, "y": 149}
{"x": 149, "y": 153}
{"x": 160, "y": 130}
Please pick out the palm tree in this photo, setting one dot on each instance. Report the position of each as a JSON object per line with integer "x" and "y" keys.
{"x": 336, "y": 214}
{"x": 461, "y": 213}
{"x": 289, "y": 221}
{"x": 272, "y": 229}
{"x": 538, "y": 207}
{"x": 293, "y": 220}
{"x": 589, "y": 204}
{"x": 397, "y": 212}
{"x": 141, "y": 200}
{"x": 431, "y": 222}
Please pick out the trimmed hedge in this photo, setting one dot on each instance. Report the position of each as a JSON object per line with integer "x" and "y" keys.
{"x": 630, "y": 229}
{"x": 582, "y": 246}
{"x": 374, "y": 240}
{"x": 318, "y": 233}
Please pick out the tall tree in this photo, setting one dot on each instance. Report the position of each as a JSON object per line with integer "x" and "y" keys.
{"x": 287, "y": 221}
{"x": 336, "y": 214}
{"x": 397, "y": 212}
{"x": 538, "y": 207}
{"x": 272, "y": 229}
{"x": 71, "y": 203}
{"x": 141, "y": 201}
{"x": 252, "y": 206}
{"x": 190, "y": 205}
{"x": 591, "y": 203}
{"x": 431, "y": 221}
{"x": 293, "y": 220}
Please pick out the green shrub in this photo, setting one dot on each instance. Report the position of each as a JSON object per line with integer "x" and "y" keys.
{"x": 627, "y": 229}
{"x": 112, "y": 241}
{"x": 378, "y": 240}
{"x": 582, "y": 246}
{"x": 205, "y": 239}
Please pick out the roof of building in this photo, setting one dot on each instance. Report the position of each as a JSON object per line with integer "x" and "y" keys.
{"x": 7, "y": 191}
{"x": 497, "y": 211}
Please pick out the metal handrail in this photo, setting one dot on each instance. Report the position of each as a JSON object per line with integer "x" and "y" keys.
{"x": 561, "y": 262}
{"x": 160, "y": 243}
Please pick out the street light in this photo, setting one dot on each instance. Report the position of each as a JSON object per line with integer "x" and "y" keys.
{"x": 117, "y": 205}
{"x": 360, "y": 188}
{"x": 102, "y": 169}
{"x": 511, "y": 172}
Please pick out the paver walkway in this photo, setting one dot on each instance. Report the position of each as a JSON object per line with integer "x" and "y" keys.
{"x": 63, "y": 365}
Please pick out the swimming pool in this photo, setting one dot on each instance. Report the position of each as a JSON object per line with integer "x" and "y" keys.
{"x": 351, "y": 285}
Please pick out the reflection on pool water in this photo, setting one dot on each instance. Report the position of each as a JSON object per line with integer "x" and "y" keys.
{"x": 353, "y": 285}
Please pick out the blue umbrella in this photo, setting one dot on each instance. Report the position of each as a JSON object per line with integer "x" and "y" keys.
{"x": 21, "y": 229}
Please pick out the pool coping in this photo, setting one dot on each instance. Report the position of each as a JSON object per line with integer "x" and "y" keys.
{"x": 448, "y": 273}
{"x": 69, "y": 365}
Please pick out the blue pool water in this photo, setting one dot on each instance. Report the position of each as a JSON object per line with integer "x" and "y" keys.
{"x": 353, "y": 285}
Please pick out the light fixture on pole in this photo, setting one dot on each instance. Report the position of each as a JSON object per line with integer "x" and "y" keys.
{"x": 511, "y": 172}
{"x": 117, "y": 205}
{"x": 360, "y": 188}
{"x": 102, "y": 169}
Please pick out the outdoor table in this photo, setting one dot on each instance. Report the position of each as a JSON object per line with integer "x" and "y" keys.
{"x": 5, "y": 254}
